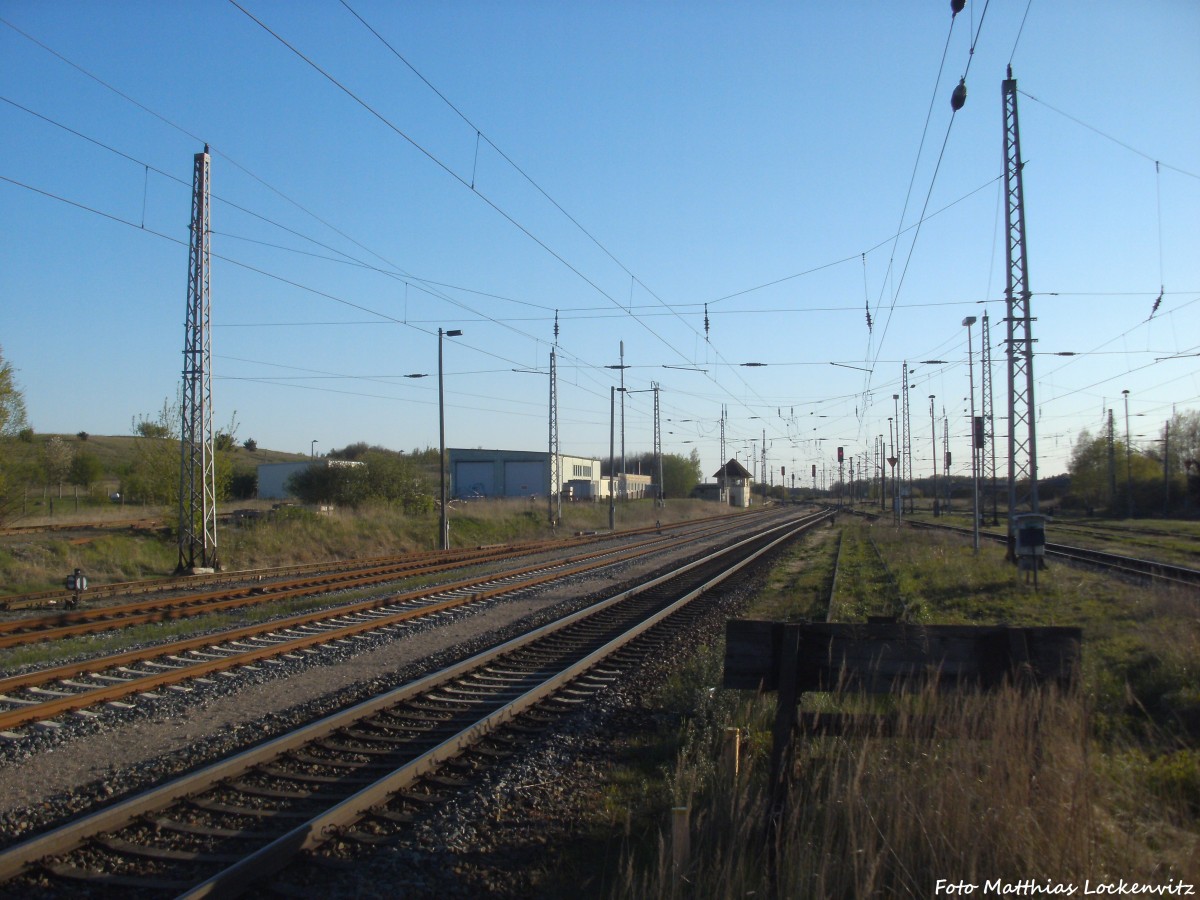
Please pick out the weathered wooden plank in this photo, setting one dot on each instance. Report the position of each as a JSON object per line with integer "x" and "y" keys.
{"x": 877, "y": 657}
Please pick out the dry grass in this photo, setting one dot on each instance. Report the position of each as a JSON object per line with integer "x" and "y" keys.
{"x": 1101, "y": 785}
{"x": 1005, "y": 789}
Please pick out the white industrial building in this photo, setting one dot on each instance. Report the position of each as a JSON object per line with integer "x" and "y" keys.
{"x": 521, "y": 473}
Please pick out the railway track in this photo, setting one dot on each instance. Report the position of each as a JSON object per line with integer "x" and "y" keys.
{"x": 330, "y": 569}
{"x": 256, "y": 588}
{"x": 143, "y": 524}
{"x": 1153, "y": 570}
{"x": 43, "y": 694}
{"x": 358, "y": 775}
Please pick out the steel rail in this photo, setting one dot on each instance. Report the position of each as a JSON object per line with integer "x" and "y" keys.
{"x": 1145, "y": 568}
{"x": 171, "y": 583}
{"x": 93, "y": 621}
{"x": 466, "y": 591}
{"x": 237, "y": 877}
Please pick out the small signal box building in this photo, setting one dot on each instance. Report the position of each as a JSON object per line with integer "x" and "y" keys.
{"x": 736, "y": 481}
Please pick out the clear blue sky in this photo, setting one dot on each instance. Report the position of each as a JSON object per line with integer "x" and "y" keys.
{"x": 634, "y": 161}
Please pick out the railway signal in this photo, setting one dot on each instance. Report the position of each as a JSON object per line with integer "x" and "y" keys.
{"x": 77, "y": 583}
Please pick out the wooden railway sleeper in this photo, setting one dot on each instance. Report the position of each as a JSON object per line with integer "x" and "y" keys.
{"x": 255, "y": 812}
{"x": 276, "y": 771}
{"x": 165, "y": 823}
{"x": 129, "y": 848}
{"x": 309, "y": 760}
{"x": 254, "y": 790}
{"x": 107, "y": 879}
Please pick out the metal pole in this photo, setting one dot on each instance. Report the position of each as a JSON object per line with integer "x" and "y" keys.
{"x": 197, "y": 473}
{"x": 555, "y": 460}
{"x": 892, "y": 455}
{"x": 661, "y": 500}
{"x": 1022, "y": 421}
{"x": 933, "y": 448}
{"x": 946, "y": 457}
{"x": 969, "y": 321}
{"x": 1128, "y": 457}
{"x": 612, "y": 500}
{"x": 444, "y": 522}
{"x": 896, "y": 456}
{"x": 1167, "y": 469}
{"x": 444, "y": 525}
{"x": 624, "y": 479}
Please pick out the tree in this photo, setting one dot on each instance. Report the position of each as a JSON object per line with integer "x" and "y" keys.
{"x": 353, "y": 452}
{"x": 382, "y": 476}
{"x": 1088, "y": 466}
{"x": 680, "y": 473}
{"x": 225, "y": 441}
{"x": 85, "y": 470}
{"x": 153, "y": 476}
{"x": 392, "y": 478}
{"x": 57, "y": 456}
{"x": 342, "y": 485}
{"x": 1136, "y": 470}
{"x": 12, "y": 401}
{"x": 1185, "y": 440}
{"x": 13, "y": 424}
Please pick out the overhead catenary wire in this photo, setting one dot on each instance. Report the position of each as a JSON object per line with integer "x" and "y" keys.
{"x": 317, "y": 218}
{"x": 1020, "y": 31}
{"x": 646, "y": 309}
{"x": 147, "y": 167}
{"x": 1108, "y": 137}
{"x": 454, "y": 175}
{"x": 437, "y": 161}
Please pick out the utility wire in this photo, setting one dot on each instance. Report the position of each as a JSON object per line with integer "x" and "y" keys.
{"x": 1109, "y": 137}
{"x": 479, "y": 134}
{"x": 1019, "y": 31}
{"x": 177, "y": 127}
{"x": 346, "y": 258}
{"x": 444, "y": 167}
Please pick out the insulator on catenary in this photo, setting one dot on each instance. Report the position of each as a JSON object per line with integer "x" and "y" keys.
{"x": 706, "y": 321}
{"x": 959, "y": 97}
{"x": 556, "y": 326}
{"x": 957, "y": 6}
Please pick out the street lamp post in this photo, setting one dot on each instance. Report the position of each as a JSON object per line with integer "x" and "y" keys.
{"x": 882, "y": 475}
{"x": 312, "y": 450}
{"x": 1128, "y": 457}
{"x": 622, "y": 367}
{"x": 968, "y": 322}
{"x": 444, "y": 524}
{"x": 933, "y": 447}
{"x": 891, "y": 455}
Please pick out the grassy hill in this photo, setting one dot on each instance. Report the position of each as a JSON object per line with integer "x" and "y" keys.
{"x": 24, "y": 466}
{"x": 115, "y": 452}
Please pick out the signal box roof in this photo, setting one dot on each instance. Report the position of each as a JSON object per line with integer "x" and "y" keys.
{"x": 732, "y": 469}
